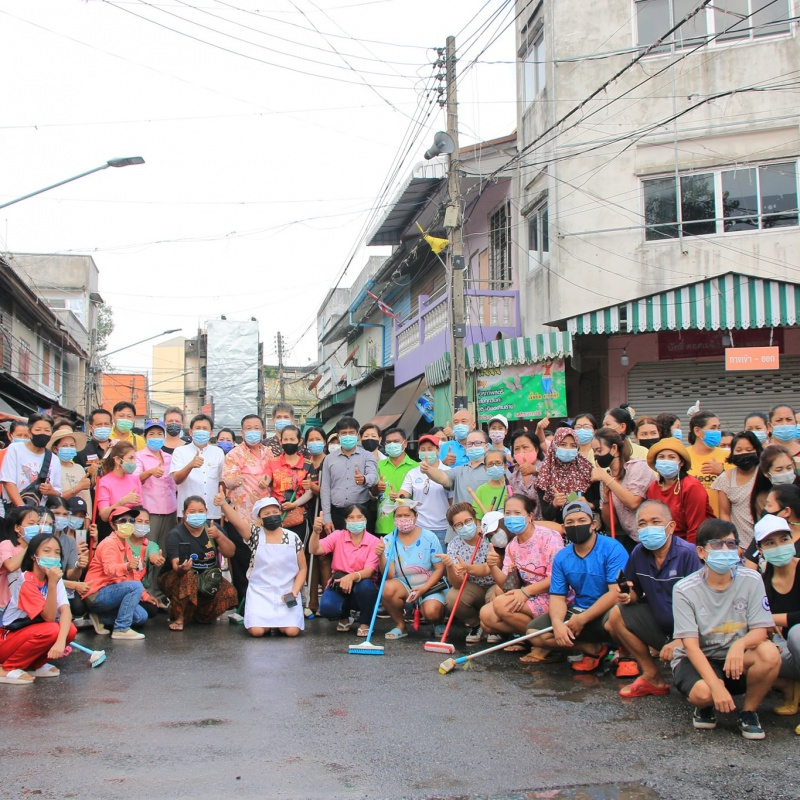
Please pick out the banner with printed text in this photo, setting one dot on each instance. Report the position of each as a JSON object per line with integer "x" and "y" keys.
{"x": 528, "y": 391}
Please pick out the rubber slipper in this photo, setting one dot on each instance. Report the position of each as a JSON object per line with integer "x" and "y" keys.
{"x": 590, "y": 663}
{"x": 532, "y": 658}
{"x": 395, "y": 633}
{"x": 362, "y": 632}
{"x": 176, "y": 626}
{"x": 642, "y": 688}
{"x": 343, "y": 627}
{"x": 627, "y": 668}
{"x": 14, "y": 678}
{"x": 46, "y": 671}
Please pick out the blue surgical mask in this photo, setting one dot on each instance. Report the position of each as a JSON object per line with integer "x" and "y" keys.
{"x": 348, "y": 442}
{"x": 461, "y": 431}
{"x": 760, "y": 435}
{"x": 467, "y": 530}
{"x": 48, "y": 529}
{"x": 797, "y": 432}
{"x": 280, "y": 424}
{"x": 784, "y": 433}
{"x": 722, "y": 561}
{"x": 155, "y": 444}
{"x": 196, "y": 520}
{"x": 316, "y": 448}
{"x": 49, "y": 562}
{"x": 584, "y": 435}
{"x": 76, "y": 523}
{"x": 62, "y": 523}
{"x": 359, "y": 526}
{"x": 779, "y": 556}
{"x": 225, "y": 446}
{"x": 677, "y": 434}
{"x": 124, "y": 425}
{"x": 566, "y": 454}
{"x": 476, "y": 453}
{"x": 201, "y": 437}
{"x": 667, "y": 469}
{"x": 66, "y": 454}
{"x": 141, "y": 529}
{"x": 101, "y": 434}
{"x": 29, "y": 531}
{"x": 394, "y": 449}
{"x": 712, "y": 438}
{"x": 495, "y": 472}
{"x": 430, "y": 456}
{"x": 515, "y": 525}
{"x": 782, "y": 478}
{"x": 254, "y": 437}
{"x": 653, "y": 537}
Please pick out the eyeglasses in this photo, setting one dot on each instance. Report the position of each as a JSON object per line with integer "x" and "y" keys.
{"x": 585, "y": 426}
{"x": 476, "y": 444}
{"x": 458, "y": 526}
{"x": 718, "y": 544}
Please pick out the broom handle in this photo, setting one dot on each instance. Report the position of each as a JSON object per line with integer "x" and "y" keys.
{"x": 389, "y": 559}
{"x": 475, "y": 498}
{"x": 611, "y": 514}
{"x": 503, "y": 645}
{"x": 460, "y": 592}
{"x": 81, "y": 648}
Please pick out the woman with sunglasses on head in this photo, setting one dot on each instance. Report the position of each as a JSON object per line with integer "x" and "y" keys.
{"x": 783, "y": 502}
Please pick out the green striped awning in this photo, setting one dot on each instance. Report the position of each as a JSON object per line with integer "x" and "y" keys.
{"x": 438, "y": 372}
{"x": 731, "y": 301}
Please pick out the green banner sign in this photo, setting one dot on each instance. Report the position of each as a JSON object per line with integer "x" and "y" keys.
{"x": 528, "y": 391}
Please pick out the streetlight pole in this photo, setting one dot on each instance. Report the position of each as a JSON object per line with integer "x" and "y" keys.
{"x": 112, "y": 162}
{"x": 141, "y": 341}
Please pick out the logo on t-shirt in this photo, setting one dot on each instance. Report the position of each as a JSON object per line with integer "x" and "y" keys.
{"x": 765, "y": 603}
{"x": 740, "y": 605}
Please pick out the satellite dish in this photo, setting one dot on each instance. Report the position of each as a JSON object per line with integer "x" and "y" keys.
{"x": 443, "y": 144}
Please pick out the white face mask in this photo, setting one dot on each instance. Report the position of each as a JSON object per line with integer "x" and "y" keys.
{"x": 334, "y": 448}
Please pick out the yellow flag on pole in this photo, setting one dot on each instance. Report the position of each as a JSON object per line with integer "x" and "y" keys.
{"x": 437, "y": 245}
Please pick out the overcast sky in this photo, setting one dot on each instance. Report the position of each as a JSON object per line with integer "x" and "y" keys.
{"x": 259, "y": 178}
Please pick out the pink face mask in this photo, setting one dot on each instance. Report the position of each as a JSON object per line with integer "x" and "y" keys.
{"x": 405, "y": 524}
{"x": 497, "y": 436}
{"x": 526, "y": 458}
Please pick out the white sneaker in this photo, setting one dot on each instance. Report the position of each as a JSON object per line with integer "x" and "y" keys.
{"x": 82, "y": 622}
{"x": 128, "y": 634}
{"x": 494, "y": 638}
{"x": 98, "y": 626}
{"x": 475, "y": 635}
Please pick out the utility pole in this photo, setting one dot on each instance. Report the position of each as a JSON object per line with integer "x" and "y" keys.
{"x": 281, "y": 381}
{"x": 90, "y": 381}
{"x": 453, "y": 223}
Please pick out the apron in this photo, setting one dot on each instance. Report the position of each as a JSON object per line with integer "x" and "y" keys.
{"x": 274, "y": 571}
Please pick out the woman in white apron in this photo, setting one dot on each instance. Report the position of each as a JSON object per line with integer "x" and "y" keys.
{"x": 277, "y": 577}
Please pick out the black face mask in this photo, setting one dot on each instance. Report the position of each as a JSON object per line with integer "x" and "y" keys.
{"x": 272, "y": 523}
{"x": 745, "y": 461}
{"x": 40, "y": 439}
{"x": 370, "y": 445}
{"x": 604, "y": 461}
{"x": 578, "y": 534}
{"x": 290, "y": 449}
{"x": 173, "y": 429}
{"x": 648, "y": 443}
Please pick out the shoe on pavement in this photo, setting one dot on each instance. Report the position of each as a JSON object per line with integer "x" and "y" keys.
{"x": 704, "y": 719}
{"x": 82, "y": 622}
{"x": 308, "y": 613}
{"x": 98, "y": 626}
{"x": 475, "y": 635}
{"x": 129, "y": 634}
{"x": 494, "y": 638}
{"x": 750, "y": 726}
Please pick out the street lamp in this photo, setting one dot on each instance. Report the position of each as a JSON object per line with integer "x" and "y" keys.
{"x": 128, "y": 346}
{"x": 112, "y": 162}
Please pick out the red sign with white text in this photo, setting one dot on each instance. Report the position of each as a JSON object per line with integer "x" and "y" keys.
{"x": 752, "y": 358}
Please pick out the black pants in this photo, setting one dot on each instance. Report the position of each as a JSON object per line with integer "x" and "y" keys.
{"x": 77, "y": 607}
{"x": 240, "y": 562}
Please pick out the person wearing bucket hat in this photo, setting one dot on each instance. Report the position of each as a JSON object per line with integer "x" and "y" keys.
{"x": 66, "y": 444}
{"x": 684, "y": 495}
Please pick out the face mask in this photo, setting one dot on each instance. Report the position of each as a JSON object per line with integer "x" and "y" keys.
{"x": 125, "y": 530}
{"x": 290, "y": 448}
{"x": 476, "y": 453}
{"x": 201, "y": 437}
{"x": 141, "y": 530}
{"x": 348, "y": 442}
{"x": 101, "y": 434}
{"x": 66, "y": 454}
{"x": 499, "y": 538}
{"x": 280, "y": 424}
{"x": 467, "y": 530}
{"x": 18, "y": 439}
{"x": 797, "y": 432}
{"x": 226, "y": 447}
{"x": 359, "y": 526}
{"x": 196, "y": 520}
{"x": 782, "y": 478}
{"x": 429, "y": 456}
{"x": 76, "y": 523}
{"x": 653, "y": 537}
{"x": 784, "y": 433}
{"x": 405, "y": 524}
{"x": 29, "y": 531}
{"x": 48, "y": 529}
{"x": 124, "y": 425}
{"x": 712, "y": 438}
{"x": 370, "y": 445}
{"x": 566, "y": 455}
{"x": 272, "y": 522}
{"x": 780, "y": 556}
{"x": 61, "y": 523}
{"x": 667, "y": 469}
{"x": 495, "y": 472}
{"x": 584, "y": 435}
{"x": 497, "y": 437}
{"x": 334, "y": 448}
{"x": 48, "y": 562}
{"x": 648, "y": 443}
{"x": 155, "y": 444}
{"x": 174, "y": 429}
{"x": 40, "y": 439}
{"x": 461, "y": 431}
{"x": 745, "y": 461}
{"x": 316, "y": 448}
{"x": 604, "y": 461}
{"x": 526, "y": 458}
{"x": 677, "y": 434}
{"x": 515, "y": 525}
{"x": 722, "y": 561}
{"x": 394, "y": 449}
{"x": 578, "y": 534}
{"x": 129, "y": 467}
{"x": 760, "y": 435}
{"x": 252, "y": 437}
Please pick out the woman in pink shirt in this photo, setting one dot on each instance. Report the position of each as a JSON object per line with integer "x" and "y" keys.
{"x": 21, "y": 525}
{"x": 117, "y": 485}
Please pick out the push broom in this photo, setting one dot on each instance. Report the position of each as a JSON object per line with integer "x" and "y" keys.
{"x": 96, "y": 657}
{"x": 449, "y": 664}
{"x": 444, "y": 646}
{"x": 366, "y": 648}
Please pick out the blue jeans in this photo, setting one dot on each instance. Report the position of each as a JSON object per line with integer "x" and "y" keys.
{"x": 440, "y": 536}
{"x": 118, "y": 605}
{"x": 790, "y": 654}
{"x": 364, "y": 595}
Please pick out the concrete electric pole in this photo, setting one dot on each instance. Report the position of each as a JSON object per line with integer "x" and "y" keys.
{"x": 281, "y": 380}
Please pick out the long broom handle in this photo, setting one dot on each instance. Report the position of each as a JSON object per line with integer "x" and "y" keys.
{"x": 460, "y": 592}
{"x": 81, "y": 648}
{"x": 389, "y": 559}
{"x": 611, "y": 514}
{"x": 503, "y": 645}
{"x": 480, "y": 505}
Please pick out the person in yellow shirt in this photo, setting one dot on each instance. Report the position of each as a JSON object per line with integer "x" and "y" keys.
{"x": 708, "y": 459}
{"x": 124, "y": 418}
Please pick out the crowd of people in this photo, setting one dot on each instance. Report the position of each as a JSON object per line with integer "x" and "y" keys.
{"x": 613, "y": 542}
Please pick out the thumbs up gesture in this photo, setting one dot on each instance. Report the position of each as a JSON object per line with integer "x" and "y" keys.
{"x": 359, "y": 478}
{"x": 448, "y": 430}
{"x": 460, "y": 566}
{"x": 493, "y": 559}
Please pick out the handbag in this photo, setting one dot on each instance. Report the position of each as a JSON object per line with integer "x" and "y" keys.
{"x": 30, "y": 494}
{"x": 209, "y": 579}
{"x": 334, "y": 581}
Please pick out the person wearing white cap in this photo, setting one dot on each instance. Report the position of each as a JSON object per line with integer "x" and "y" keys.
{"x": 278, "y": 574}
{"x": 498, "y": 430}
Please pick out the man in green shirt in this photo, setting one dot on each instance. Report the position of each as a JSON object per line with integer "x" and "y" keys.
{"x": 391, "y": 472}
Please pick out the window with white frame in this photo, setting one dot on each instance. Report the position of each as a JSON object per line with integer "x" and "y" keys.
{"x": 500, "y": 245}
{"x": 720, "y": 21}
{"x": 749, "y": 198}
{"x": 534, "y": 66}
{"x": 538, "y": 237}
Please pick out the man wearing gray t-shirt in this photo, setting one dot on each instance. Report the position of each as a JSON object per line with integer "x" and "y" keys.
{"x": 722, "y": 616}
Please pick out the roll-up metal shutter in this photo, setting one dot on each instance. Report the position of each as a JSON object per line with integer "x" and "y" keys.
{"x": 673, "y": 387}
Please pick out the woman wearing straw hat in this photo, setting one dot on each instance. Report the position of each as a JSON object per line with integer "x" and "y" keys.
{"x": 66, "y": 444}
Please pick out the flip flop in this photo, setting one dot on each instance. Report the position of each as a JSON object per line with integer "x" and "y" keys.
{"x": 343, "y": 627}
{"x": 590, "y": 663}
{"x": 14, "y": 678}
{"x": 532, "y": 658}
{"x": 363, "y": 631}
{"x": 46, "y": 671}
{"x": 176, "y": 626}
{"x": 395, "y": 633}
{"x": 627, "y": 668}
{"x": 643, "y": 688}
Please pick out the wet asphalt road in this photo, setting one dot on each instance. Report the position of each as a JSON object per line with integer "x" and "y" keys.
{"x": 211, "y": 713}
